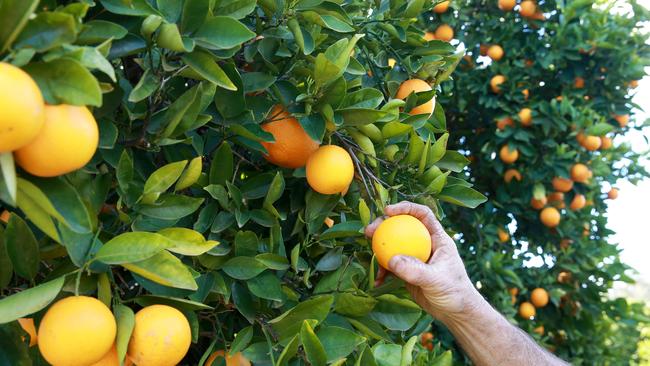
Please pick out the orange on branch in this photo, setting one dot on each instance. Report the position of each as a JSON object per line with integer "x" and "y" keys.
{"x": 401, "y": 235}
{"x": 622, "y": 120}
{"x": 504, "y": 122}
{"x": 526, "y": 310}
{"x": 538, "y": 204}
{"x": 507, "y": 155}
{"x": 605, "y": 142}
{"x": 495, "y": 83}
{"x": 28, "y": 326}
{"x": 580, "y": 173}
{"x": 292, "y": 146}
{"x": 503, "y": 235}
{"x": 330, "y": 170}
{"x": 507, "y": 5}
{"x": 525, "y": 117}
{"x": 442, "y": 7}
{"x": 415, "y": 86}
{"x": 612, "y": 194}
{"x": 579, "y": 82}
{"x": 237, "y": 359}
{"x": 562, "y": 184}
{"x": 161, "y": 336}
{"x": 444, "y": 33}
{"x": 527, "y": 8}
{"x": 579, "y": 201}
{"x": 550, "y": 217}
{"x": 539, "y": 297}
{"x": 495, "y": 52}
{"x": 591, "y": 143}
{"x": 511, "y": 174}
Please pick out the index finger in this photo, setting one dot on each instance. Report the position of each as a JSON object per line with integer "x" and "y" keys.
{"x": 426, "y": 216}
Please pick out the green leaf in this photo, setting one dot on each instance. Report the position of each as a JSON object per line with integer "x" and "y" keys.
{"x": 38, "y": 208}
{"x": 164, "y": 268}
{"x": 454, "y": 161}
{"x": 395, "y": 313}
{"x": 164, "y": 177}
{"x": 235, "y": 8}
{"x": 132, "y": 247}
{"x": 206, "y": 66}
{"x": 98, "y": 31}
{"x": 407, "y": 351}
{"x": 14, "y": 15}
{"x": 445, "y": 359}
{"x": 129, "y": 7}
{"x": 266, "y": 286}
{"x": 187, "y": 241}
{"x": 273, "y": 261}
{"x": 6, "y": 268}
{"x": 342, "y": 230}
{"x": 46, "y": 31}
{"x": 220, "y": 32}
{"x": 125, "y": 320}
{"x": 171, "y": 207}
{"x": 194, "y": 14}
{"x": 311, "y": 344}
{"x": 438, "y": 149}
{"x": 338, "y": 342}
{"x": 8, "y": 169}
{"x": 274, "y": 193}
{"x": 190, "y": 175}
{"x": 387, "y": 354}
{"x": 30, "y": 300}
{"x": 175, "y": 113}
{"x": 66, "y": 81}
{"x": 288, "y": 324}
{"x": 241, "y": 341}
{"x": 361, "y": 116}
{"x": 599, "y": 129}
{"x": 462, "y": 196}
{"x": 14, "y": 347}
{"x": 145, "y": 87}
{"x": 354, "y": 305}
{"x": 257, "y": 81}
{"x": 289, "y": 351}
{"x": 22, "y": 247}
{"x": 221, "y": 168}
{"x": 243, "y": 268}
{"x": 70, "y": 208}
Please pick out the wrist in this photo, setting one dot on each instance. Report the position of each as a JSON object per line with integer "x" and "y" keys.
{"x": 473, "y": 306}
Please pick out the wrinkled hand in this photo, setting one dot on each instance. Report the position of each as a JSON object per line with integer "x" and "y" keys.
{"x": 440, "y": 286}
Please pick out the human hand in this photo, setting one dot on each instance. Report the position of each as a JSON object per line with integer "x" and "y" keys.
{"x": 440, "y": 286}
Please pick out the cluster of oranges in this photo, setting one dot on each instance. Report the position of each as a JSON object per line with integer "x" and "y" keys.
{"x": 444, "y": 32}
{"x": 538, "y": 299}
{"x": 81, "y": 330}
{"x": 46, "y": 140}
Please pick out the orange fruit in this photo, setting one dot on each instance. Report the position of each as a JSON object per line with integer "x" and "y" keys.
{"x": 444, "y": 33}
{"x": 539, "y": 297}
{"x": 529, "y": 63}
{"x": 564, "y": 277}
{"x": 605, "y": 142}
{"x": 391, "y": 62}
{"x": 526, "y": 310}
{"x": 591, "y": 143}
{"x": 580, "y": 173}
{"x": 556, "y": 199}
{"x": 526, "y": 93}
{"x": 231, "y": 360}
{"x": 426, "y": 340}
{"x": 495, "y": 52}
{"x": 67, "y": 142}
{"x": 562, "y": 184}
{"x": 161, "y": 336}
{"x": 503, "y": 235}
{"x": 550, "y": 217}
{"x": 416, "y": 86}
{"x": 622, "y": 120}
{"x": 330, "y": 170}
{"x": 513, "y": 294}
{"x": 612, "y": 194}
{"x": 401, "y": 235}
{"x": 539, "y": 330}
{"x": 4, "y": 216}
{"x": 579, "y": 82}
{"x": 538, "y": 204}
{"x": 511, "y": 174}
{"x": 76, "y": 330}
{"x": 503, "y": 122}
{"x": 111, "y": 359}
{"x": 28, "y": 326}
{"x": 634, "y": 84}
{"x": 22, "y": 106}
{"x": 429, "y": 36}
{"x": 506, "y": 5}
{"x": 579, "y": 201}
{"x": 495, "y": 83}
{"x": 538, "y": 16}
{"x": 527, "y": 8}
{"x": 292, "y": 146}
{"x": 329, "y": 222}
{"x": 525, "y": 117}
{"x": 508, "y": 156}
{"x": 441, "y": 8}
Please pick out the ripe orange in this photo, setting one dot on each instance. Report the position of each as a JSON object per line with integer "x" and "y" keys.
{"x": 426, "y": 340}
{"x": 622, "y": 120}
{"x": 634, "y": 84}
{"x": 556, "y": 199}
{"x": 416, "y": 86}
{"x": 527, "y": 8}
{"x": 612, "y": 194}
{"x": 539, "y": 330}
{"x": 495, "y": 83}
{"x": 444, "y": 33}
{"x": 441, "y": 8}
{"x": 526, "y": 93}
{"x": 4, "y": 216}
{"x": 564, "y": 277}
{"x": 526, "y": 310}
{"x": 508, "y": 156}
{"x": 503, "y": 122}
{"x": 292, "y": 146}
{"x": 330, "y": 170}
{"x": 401, "y": 235}
{"x": 76, "y": 330}
{"x": 503, "y": 235}
{"x": 580, "y": 173}
{"x": 231, "y": 360}
{"x": 67, "y": 142}
{"x": 591, "y": 143}
{"x": 511, "y": 174}
{"x": 161, "y": 336}
{"x": 429, "y": 36}
{"x": 562, "y": 184}
{"x": 550, "y": 217}
{"x": 579, "y": 82}
{"x": 513, "y": 294}
{"x": 506, "y": 5}
{"x": 539, "y": 297}
{"x": 605, "y": 142}
{"x": 579, "y": 201}
{"x": 22, "y": 106}
{"x": 328, "y": 222}
{"x": 495, "y": 52}
{"x": 28, "y": 326}
{"x": 538, "y": 204}
{"x": 525, "y": 117}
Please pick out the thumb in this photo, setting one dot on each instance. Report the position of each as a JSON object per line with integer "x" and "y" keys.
{"x": 409, "y": 269}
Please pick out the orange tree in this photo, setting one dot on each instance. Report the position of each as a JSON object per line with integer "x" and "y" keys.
{"x": 537, "y": 121}
{"x": 154, "y": 191}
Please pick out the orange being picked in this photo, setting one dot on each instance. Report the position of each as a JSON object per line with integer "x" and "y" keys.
{"x": 527, "y": 8}
{"x": 526, "y": 310}
{"x": 292, "y": 146}
{"x": 28, "y": 326}
{"x": 507, "y": 5}
{"x": 538, "y": 204}
{"x": 330, "y": 170}
{"x": 444, "y": 33}
{"x": 76, "y": 330}
{"x": 511, "y": 174}
{"x": 579, "y": 201}
{"x": 441, "y": 8}
{"x": 622, "y": 120}
{"x": 591, "y": 143}
{"x": 22, "y": 109}
{"x": 539, "y": 297}
{"x": 503, "y": 122}
{"x": 507, "y": 155}
{"x": 525, "y": 117}
{"x": 231, "y": 360}
{"x": 401, "y": 235}
{"x": 612, "y": 194}
{"x": 562, "y": 184}
{"x": 503, "y": 235}
{"x": 495, "y": 52}
{"x": 495, "y": 83}
{"x": 161, "y": 336}
{"x": 580, "y": 173}
{"x": 416, "y": 86}
{"x": 550, "y": 217}
{"x": 67, "y": 142}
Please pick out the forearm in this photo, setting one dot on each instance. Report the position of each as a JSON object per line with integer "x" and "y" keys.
{"x": 489, "y": 339}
